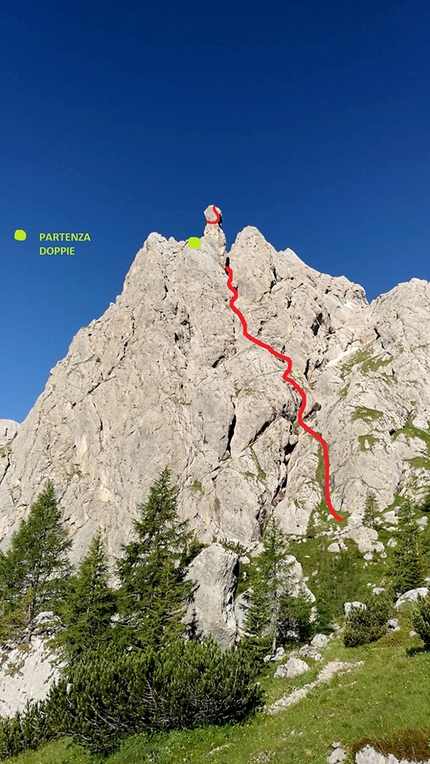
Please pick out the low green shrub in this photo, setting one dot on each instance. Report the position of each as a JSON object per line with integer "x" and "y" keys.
{"x": 421, "y": 620}
{"x": 364, "y": 625}
{"x": 112, "y": 693}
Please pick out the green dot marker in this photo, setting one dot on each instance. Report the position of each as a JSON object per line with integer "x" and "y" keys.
{"x": 20, "y": 235}
{"x": 194, "y": 242}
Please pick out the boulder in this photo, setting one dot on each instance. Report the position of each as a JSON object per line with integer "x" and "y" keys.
{"x": 320, "y": 640}
{"x": 337, "y": 755}
{"x": 26, "y": 674}
{"x": 215, "y": 572}
{"x": 334, "y": 547}
{"x": 293, "y": 667}
{"x": 213, "y": 215}
{"x": 393, "y": 624}
{"x": 368, "y": 755}
{"x": 411, "y": 596}
{"x": 279, "y": 654}
{"x": 310, "y": 652}
{"x": 349, "y": 605}
{"x": 365, "y": 538}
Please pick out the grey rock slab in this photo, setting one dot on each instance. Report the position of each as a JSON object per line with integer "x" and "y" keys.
{"x": 293, "y": 667}
{"x": 214, "y": 571}
{"x": 26, "y": 675}
{"x": 320, "y": 640}
{"x": 310, "y": 652}
{"x": 8, "y": 428}
{"x": 393, "y": 624}
{"x": 336, "y": 756}
{"x": 411, "y": 596}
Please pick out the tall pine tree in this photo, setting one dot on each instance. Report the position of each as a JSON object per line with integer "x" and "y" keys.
{"x": 153, "y": 591}
{"x": 271, "y": 584}
{"x": 370, "y": 510}
{"x": 34, "y": 572}
{"x": 89, "y": 605}
{"x": 407, "y": 570}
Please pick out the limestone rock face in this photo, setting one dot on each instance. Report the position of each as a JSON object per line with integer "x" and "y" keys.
{"x": 8, "y": 429}
{"x": 165, "y": 377}
{"x": 212, "y": 611}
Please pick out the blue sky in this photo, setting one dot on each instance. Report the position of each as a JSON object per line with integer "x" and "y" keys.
{"x": 309, "y": 120}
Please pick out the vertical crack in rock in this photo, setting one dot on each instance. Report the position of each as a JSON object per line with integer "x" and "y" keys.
{"x": 279, "y": 493}
{"x": 274, "y": 280}
{"x": 230, "y": 433}
{"x": 263, "y": 427}
{"x": 317, "y": 324}
{"x": 6, "y": 467}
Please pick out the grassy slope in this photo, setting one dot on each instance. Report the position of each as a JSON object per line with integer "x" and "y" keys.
{"x": 389, "y": 691}
{"x": 370, "y": 701}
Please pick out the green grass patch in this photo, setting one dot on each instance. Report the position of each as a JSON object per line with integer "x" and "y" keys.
{"x": 59, "y": 752}
{"x": 367, "y": 442}
{"x": 196, "y": 486}
{"x": 366, "y": 360}
{"x": 419, "y": 462}
{"x": 344, "y": 391}
{"x": 412, "y": 432}
{"x": 366, "y": 414}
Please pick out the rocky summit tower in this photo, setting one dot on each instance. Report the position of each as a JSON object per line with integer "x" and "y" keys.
{"x": 214, "y": 231}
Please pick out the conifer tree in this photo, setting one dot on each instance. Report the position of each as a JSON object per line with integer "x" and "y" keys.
{"x": 33, "y": 573}
{"x": 153, "y": 592}
{"x": 269, "y": 602}
{"x": 89, "y": 605}
{"x": 421, "y": 620}
{"x": 407, "y": 570}
{"x": 370, "y": 510}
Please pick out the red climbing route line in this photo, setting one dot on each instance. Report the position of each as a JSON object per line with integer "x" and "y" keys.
{"x": 292, "y": 382}
{"x": 218, "y": 217}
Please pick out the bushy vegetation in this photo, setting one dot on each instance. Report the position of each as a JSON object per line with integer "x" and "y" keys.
{"x": 114, "y": 693}
{"x": 367, "y": 624}
{"x": 421, "y": 620}
{"x": 133, "y": 667}
{"x": 134, "y": 672}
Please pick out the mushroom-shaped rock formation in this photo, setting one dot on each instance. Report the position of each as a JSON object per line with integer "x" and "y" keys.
{"x": 213, "y": 230}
